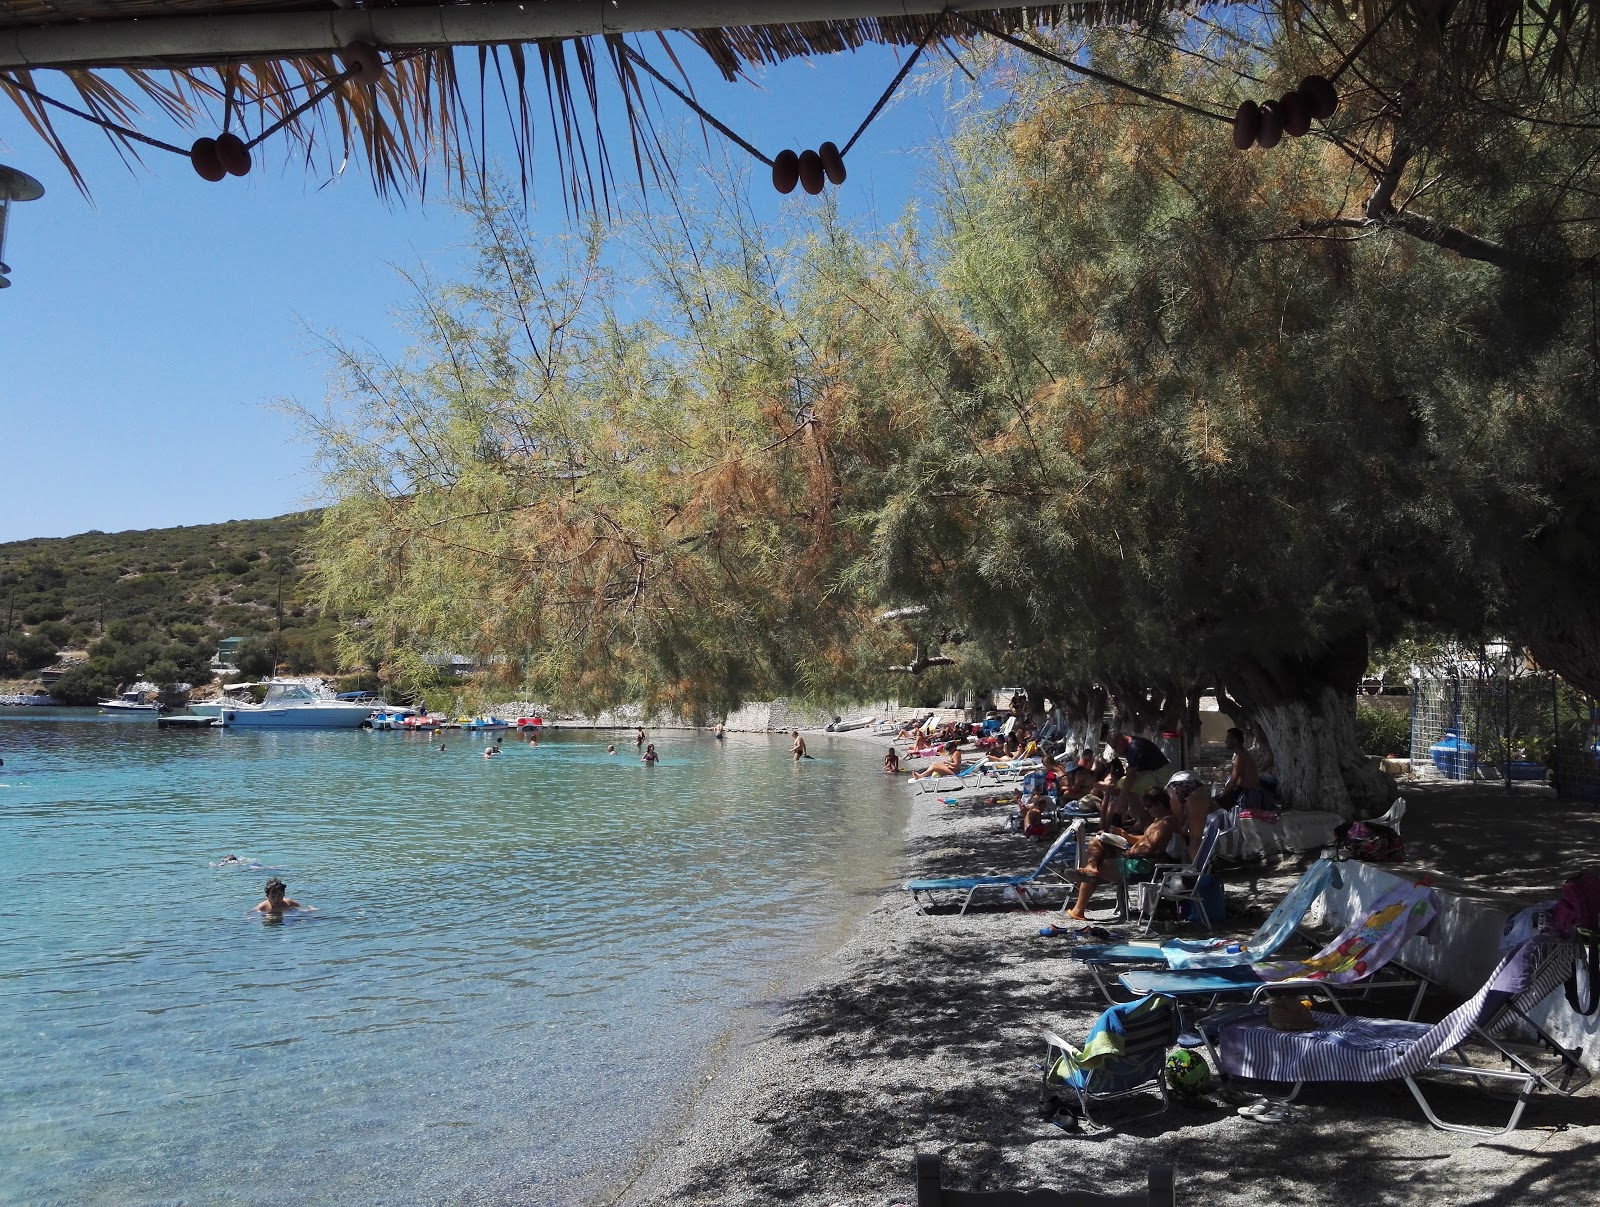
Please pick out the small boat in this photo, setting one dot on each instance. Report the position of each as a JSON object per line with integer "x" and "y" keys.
{"x": 485, "y": 723}
{"x": 422, "y": 721}
{"x": 530, "y": 722}
{"x": 290, "y": 705}
{"x": 847, "y": 726}
{"x": 130, "y": 701}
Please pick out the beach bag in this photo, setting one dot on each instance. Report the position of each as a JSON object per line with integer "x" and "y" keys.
{"x": 1577, "y": 916}
{"x": 1209, "y": 889}
{"x": 1369, "y": 842}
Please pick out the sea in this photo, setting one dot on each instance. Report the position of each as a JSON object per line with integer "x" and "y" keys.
{"x": 514, "y": 975}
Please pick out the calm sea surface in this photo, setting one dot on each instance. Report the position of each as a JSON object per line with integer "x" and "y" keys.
{"x": 515, "y": 971}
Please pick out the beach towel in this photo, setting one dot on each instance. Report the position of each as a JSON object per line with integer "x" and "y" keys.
{"x": 1358, "y": 951}
{"x": 1272, "y": 934}
{"x": 1394, "y": 919}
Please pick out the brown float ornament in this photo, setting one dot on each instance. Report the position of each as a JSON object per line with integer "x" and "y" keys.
{"x": 363, "y": 61}
{"x": 1246, "y": 125}
{"x": 832, "y": 162}
{"x": 811, "y": 174}
{"x": 1271, "y": 125}
{"x": 1296, "y": 114}
{"x": 233, "y": 154}
{"x": 207, "y": 163}
{"x": 1322, "y": 98}
{"x": 785, "y": 171}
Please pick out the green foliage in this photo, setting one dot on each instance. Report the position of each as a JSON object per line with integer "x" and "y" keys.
{"x": 1383, "y": 731}
{"x": 254, "y": 659}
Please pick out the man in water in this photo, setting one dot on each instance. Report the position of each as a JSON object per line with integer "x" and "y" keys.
{"x": 611, "y": 749}
{"x": 276, "y": 901}
{"x": 720, "y": 734}
{"x": 491, "y": 752}
{"x": 799, "y": 747}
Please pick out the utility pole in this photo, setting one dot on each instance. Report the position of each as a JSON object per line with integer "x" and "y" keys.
{"x": 277, "y": 636}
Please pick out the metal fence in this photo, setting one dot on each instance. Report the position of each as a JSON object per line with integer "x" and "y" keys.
{"x": 1498, "y": 720}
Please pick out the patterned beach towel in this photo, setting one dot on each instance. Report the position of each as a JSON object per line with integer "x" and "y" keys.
{"x": 1364, "y": 947}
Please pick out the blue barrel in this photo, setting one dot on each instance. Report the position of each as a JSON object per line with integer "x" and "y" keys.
{"x": 1454, "y": 756}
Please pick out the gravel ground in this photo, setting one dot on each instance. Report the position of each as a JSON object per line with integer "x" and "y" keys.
{"x": 922, "y": 1034}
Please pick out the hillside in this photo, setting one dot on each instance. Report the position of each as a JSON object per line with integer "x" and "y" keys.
{"x": 161, "y": 597}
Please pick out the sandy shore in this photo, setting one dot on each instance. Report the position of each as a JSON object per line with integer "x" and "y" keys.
{"x": 922, "y": 1033}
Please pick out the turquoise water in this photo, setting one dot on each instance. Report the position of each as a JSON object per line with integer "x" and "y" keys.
{"x": 515, "y": 970}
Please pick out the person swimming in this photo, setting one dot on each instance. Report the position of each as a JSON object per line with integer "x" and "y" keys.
{"x": 277, "y": 900}
{"x": 611, "y": 749}
{"x": 491, "y": 752}
{"x": 229, "y": 861}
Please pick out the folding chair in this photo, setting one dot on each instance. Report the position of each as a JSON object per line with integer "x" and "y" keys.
{"x": 1181, "y": 881}
{"x": 1124, "y": 1055}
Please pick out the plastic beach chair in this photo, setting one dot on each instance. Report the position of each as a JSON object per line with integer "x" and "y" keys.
{"x": 1123, "y": 1055}
{"x": 1279, "y": 928}
{"x": 1353, "y": 958}
{"x": 1342, "y": 1048}
{"x": 931, "y": 1192}
{"x": 1181, "y": 881}
{"x": 971, "y": 886}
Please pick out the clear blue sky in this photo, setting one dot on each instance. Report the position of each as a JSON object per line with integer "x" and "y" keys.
{"x": 149, "y": 329}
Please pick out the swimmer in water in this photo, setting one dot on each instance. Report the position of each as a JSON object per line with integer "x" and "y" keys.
{"x": 611, "y": 749}
{"x": 276, "y": 901}
{"x": 650, "y": 756}
{"x": 720, "y": 734}
{"x": 638, "y": 737}
{"x": 491, "y": 752}
{"x": 229, "y": 860}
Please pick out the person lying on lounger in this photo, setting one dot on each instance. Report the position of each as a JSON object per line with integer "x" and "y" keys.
{"x": 1108, "y": 862}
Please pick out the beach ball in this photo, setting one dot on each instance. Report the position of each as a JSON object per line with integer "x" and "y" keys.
{"x": 1187, "y": 1073}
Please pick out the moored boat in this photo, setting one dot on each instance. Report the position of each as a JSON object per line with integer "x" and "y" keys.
{"x": 131, "y": 702}
{"x": 295, "y": 706}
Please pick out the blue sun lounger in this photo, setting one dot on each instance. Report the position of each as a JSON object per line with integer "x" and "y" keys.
{"x": 971, "y": 886}
{"x": 1352, "y": 958}
{"x": 1278, "y": 929}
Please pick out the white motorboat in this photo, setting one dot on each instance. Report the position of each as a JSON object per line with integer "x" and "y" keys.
{"x": 130, "y": 701}
{"x": 294, "y": 706}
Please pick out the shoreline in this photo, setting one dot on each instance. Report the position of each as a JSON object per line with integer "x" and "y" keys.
{"x": 922, "y": 1034}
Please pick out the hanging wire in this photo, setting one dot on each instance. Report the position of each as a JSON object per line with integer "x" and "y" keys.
{"x": 894, "y": 84}
{"x": 1034, "y": 48}
{"x": 705, "y": 115}
{"x": 94, "y": 119}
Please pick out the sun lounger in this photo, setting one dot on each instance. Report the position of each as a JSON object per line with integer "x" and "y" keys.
{"x": 1280, "y": 926}
{"x": 1364, "y": 1050}
{"x": 973, "y": 775}
{"x": 1352, "y": 958}
{"x": 971, "y": 886}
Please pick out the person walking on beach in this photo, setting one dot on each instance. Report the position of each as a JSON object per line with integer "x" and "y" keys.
{"x": 277, "y": 901}
{"x": 799, "y": 747}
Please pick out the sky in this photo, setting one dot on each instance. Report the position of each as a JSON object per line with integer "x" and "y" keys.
{"x": 150, "y": 329}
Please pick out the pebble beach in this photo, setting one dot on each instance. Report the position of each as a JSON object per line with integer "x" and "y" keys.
{"x": 922, "y": 1034}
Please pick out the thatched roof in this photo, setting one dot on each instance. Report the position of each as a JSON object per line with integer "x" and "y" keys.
{"x": 257, "y": 65}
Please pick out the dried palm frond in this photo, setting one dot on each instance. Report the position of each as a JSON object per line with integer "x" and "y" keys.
{"x": 419, "y": 114}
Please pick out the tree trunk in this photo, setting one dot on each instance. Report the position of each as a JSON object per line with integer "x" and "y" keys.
{"x": 1307, "y": 709}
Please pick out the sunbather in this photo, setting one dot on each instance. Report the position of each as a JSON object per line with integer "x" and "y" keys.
{"x": 949, "y": 765}
{"x": 1108, "y": 862}
{"x": 1191, "y": 804}
{"x": 1243, "y": 786}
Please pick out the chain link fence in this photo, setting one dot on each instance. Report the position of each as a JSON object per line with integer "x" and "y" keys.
{"x": 1495, "y": 718}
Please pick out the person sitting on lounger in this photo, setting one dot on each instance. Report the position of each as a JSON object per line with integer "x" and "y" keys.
{"x": 1108, "y": 862}
{"x": 1033, "y": 809}
{"x": 949, "y": 765}
{"x": 1191, "y": 804}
